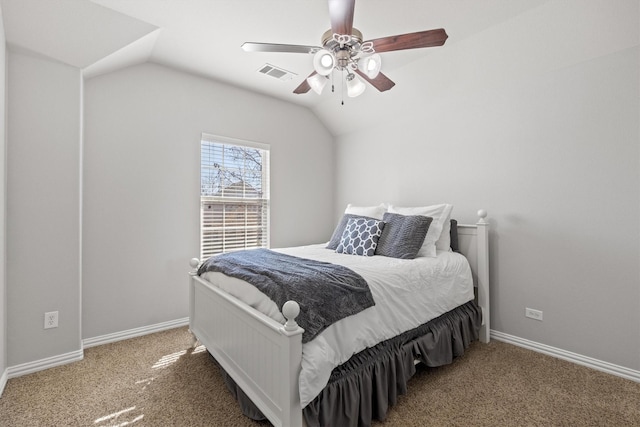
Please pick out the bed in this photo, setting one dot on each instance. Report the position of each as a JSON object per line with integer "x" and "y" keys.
{"x": 261, "y": 350}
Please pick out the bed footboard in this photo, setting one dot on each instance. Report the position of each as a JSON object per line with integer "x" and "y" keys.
{"x": 234, "y": 333}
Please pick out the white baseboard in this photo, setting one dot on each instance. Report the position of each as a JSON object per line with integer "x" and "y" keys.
{"x": 3, "y": 381}
{"x": 579, "y": 359}
{"x": 132, "y": 333}
{"x": 42, "y": 364}
{"x": 75, "y": 356}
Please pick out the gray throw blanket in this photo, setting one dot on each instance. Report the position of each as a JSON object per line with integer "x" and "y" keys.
{"x": 325, "y": 292}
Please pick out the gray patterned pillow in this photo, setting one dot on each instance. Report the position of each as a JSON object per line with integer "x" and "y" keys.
{"x": 360, "y": 237}
{"x": 337, "y": 233}
{"x": 403, "y": 235}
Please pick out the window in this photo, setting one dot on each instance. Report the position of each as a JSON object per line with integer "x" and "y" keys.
{"x": 234, "y": 195}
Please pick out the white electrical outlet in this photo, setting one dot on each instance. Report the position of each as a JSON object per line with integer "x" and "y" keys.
{"x": 533, "y": 314}
{"x": 51, "y": 319}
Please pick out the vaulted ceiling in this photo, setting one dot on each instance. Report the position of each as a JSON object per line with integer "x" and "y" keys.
{"x": 204, "y": 36}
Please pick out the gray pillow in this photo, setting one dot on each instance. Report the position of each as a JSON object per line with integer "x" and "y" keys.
{"x": 337, "y": 233}
{"x": 403, "y": 235}
{"x": 454, "y": 236}
{"x": 360, "y": 236}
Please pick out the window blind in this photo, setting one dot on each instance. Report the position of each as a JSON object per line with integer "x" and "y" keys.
{"x": 234, "y": 195}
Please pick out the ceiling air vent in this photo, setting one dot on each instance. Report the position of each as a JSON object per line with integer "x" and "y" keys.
{"x": 278, "y": 73}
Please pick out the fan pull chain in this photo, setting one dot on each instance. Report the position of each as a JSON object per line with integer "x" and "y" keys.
{"x": 333, "y": 88}
{"x": 342, "y": 91}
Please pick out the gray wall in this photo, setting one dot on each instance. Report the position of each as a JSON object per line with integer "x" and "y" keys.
{"x": 537, "y": 121}
{"x": 3, "y": 206}
{"x": 141, "y": 185}
{"x": 43, "y": 207}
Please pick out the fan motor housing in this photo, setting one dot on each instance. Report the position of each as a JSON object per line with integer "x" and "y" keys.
{"x": 347, "y": 51}
{"x": 327, "y": 38}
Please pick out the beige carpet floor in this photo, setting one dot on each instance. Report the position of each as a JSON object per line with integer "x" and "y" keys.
{"x": 158, "y": 380}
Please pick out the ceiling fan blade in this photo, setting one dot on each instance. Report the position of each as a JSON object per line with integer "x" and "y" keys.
{"x": 273, "y": 47}
{"x": 304, "y": 86}
{"x": 427, "y": 38}
{"x": 341, "y": 15}
{"x": 381, "y": 82}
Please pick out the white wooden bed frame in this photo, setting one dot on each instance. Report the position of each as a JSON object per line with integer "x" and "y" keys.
{"x": 263, "y": 356}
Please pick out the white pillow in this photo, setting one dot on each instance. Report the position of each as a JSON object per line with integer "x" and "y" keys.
{"x": 441, "y": 215}
{"x": 444, "y": 242}
{"x": 376, "y": 212}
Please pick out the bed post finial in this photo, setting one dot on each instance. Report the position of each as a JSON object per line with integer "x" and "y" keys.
{"x": 482, "y": 214}
{"x": 290, "y": 310}
{"x": 194, "y": 263}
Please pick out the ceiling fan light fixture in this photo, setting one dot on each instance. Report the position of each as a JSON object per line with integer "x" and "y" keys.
{"x": 370, "y": 65}
{"x": 317, "y": 82}
{"x": 355, "y": 86}
{"x": 323, "y": 62}
{"x": 344, "y": 49}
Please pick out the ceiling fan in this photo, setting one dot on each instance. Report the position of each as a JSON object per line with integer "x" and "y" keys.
{"x": 343, "y": 49}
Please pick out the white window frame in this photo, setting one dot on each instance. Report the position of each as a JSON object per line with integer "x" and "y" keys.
{"x": 208, "y": 249}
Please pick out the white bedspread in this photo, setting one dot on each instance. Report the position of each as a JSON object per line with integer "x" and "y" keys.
{"x": 407, "y": 294}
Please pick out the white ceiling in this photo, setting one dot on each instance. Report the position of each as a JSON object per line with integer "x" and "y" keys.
{"x": 204, "y": 36}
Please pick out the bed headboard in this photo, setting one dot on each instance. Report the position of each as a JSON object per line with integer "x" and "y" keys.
{"x": 473, "y": 242}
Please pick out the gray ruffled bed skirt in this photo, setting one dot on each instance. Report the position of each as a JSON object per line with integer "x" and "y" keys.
{"x": 364, "y": 387}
